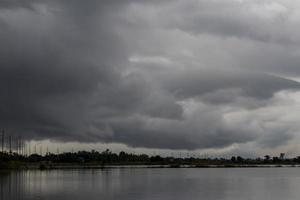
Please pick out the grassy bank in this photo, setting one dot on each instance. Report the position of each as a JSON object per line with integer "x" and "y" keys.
{"x": 17, "y": 165}
{"x": 105, "y": 159}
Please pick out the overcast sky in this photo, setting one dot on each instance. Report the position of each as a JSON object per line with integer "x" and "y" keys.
{"x": 217, "y": 75}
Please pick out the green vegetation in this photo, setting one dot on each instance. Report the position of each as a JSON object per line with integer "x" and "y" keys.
{"x": 108, "y": 158}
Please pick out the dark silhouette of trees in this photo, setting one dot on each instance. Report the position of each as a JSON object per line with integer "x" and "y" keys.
{"x": 107, "y": 157}
{"x": 233, "y": 159}
{"x": 267, "y": 158}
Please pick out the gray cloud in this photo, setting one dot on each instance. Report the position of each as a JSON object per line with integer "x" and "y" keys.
{"x": 120, "y": 71}
{"x": 196, "y": 83}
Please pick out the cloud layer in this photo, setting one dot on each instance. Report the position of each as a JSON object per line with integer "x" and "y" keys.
{"x": 155, "y": 74}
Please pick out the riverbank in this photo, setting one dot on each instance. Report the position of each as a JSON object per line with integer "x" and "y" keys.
{"x": 108, "y": 159}
{"x": 51, "y": 166}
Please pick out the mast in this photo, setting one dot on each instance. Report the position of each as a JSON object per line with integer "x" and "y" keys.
{"x": 2, "y": 141}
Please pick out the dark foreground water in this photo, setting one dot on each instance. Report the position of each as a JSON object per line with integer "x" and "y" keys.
{"x": 154, "y": 184}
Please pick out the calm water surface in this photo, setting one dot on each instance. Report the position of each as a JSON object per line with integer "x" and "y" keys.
{"x": 154, "y": 184}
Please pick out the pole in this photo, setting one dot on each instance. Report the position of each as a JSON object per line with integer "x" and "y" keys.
{"x": 29, "y": 149}
{"x": 10, "y": 144}
{"x": 18, "y": 144}
{"x": 2, "y": 141}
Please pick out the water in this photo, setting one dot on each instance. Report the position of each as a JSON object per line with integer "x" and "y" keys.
{"x": 154, "y": 184}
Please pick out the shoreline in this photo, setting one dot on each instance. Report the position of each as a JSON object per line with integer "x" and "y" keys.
{"x": 45, "y": 166}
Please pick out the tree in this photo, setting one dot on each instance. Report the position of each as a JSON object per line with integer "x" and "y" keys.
{"x": 239, "y": 159}
{"x": 233, "y": 159}
{"x": 267, "y": 158}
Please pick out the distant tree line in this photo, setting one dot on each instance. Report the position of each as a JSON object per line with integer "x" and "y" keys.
{"x": 108, "y": 157}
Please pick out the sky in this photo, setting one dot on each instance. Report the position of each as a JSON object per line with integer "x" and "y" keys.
{"x": 217, "y": 77}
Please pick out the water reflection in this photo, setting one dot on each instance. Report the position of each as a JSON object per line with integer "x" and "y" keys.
{"x": 154, "y": 184}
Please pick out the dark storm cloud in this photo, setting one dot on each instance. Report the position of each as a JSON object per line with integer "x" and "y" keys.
{"x": 12, "y": 4}
{"x": 261, "y": 21}
{"x": 67, "y": 73}
{"x": 196, "y": 83}
{"x": 46, "y": 74}
{"x": 54, "y": 80}
{"x": 201, "y": 132}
